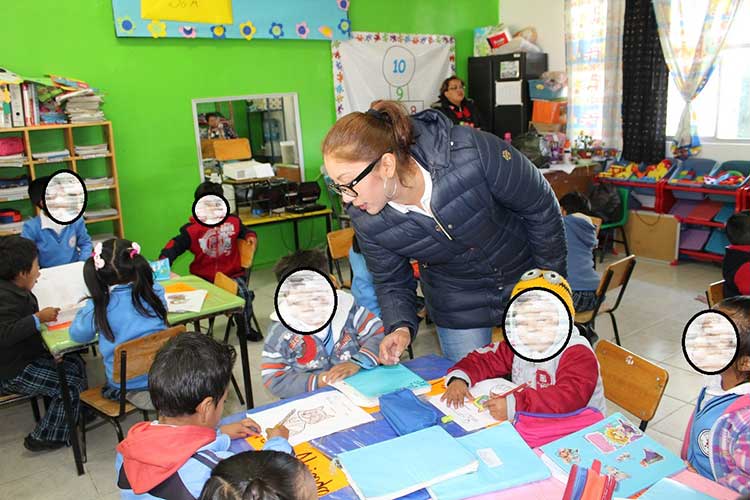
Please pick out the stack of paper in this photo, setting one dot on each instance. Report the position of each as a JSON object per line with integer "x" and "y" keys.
{"x": 63, "y": 287}
{"x": 50, "y": 156}
{"x": 93, "y": 151}
{"x": 100, "y": 213}
{"x": 12, "y": 227}
{"x": 182, "y": 302}
{"x": 82, "y": 106}
{"x": 12, "y": 160}
{"x": 472, "y": 415}
{"x": 400, "y": 466}
{"x": 14, "y": 193}
{"x": 98, "y": 182}
{"x": 365, "y": 387}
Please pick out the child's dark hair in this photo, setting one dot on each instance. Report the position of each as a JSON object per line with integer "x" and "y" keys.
{"x": 122, "y": 265}
{"x": 17, "y": 256}
{"x": 738, "y": 228}
{"x": 36, "y": 190}
{"x": 314, "y": 258}
{"x": 738, "y": 309}
{"x": 575, "y": 202}
{"x": 259, "y": 475}
{"x": 188, "y": 369}
{"x": 214, "y": 114}
{"x": 208, "y": 187}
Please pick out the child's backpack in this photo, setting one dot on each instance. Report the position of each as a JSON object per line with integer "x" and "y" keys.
{"x": 605, "y": 202}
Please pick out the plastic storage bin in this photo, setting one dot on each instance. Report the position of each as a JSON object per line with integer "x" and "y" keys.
{"x": 717, "y": 242}
{"x": 548, "y": 111}
{"x": 701, "y": 167}
{"x": 739, "y": 165}
{"x": 538, "y": 90}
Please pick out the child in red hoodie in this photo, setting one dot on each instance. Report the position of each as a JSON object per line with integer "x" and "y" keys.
{"x": 174, "y": 456}
{"x": 736, "y": 265}
{"x": 215, "y": 249}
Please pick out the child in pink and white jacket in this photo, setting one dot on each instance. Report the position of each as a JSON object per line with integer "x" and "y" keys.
{"x": 717, "y": 438}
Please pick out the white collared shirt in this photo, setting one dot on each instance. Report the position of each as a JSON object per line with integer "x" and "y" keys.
{"x": 47, "y": 223}
{"x": 425, "y": 201}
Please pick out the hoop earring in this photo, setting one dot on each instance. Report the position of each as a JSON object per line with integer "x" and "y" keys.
{"x": 385, "y": 189}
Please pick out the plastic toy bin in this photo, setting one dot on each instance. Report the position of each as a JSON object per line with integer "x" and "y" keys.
{"x": 739, "y": 165}
{"x": 701, "y": 167}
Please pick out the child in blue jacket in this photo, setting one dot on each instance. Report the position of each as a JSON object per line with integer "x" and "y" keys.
{"x": 57, "y": 244}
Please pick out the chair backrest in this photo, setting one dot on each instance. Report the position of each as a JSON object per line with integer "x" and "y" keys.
{"x": 247, "y": 252}
{"x": 339, "y": 242}
{"x": 597, "y": 221}
{"x": 630, "y": 381}
{"x": 140, "y": 352}
{"x": 616, "y": 275}
{"x": 715, "y": 293}
{"x": 624, "y": 197}
{"x": 226, "y": 283}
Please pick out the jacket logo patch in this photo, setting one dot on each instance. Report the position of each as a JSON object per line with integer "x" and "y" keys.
{"x": 217, "y": 241}
{"x": 72, "y": 241}
{"x": 506, "y": 155}
{"x": 543, "y": 379}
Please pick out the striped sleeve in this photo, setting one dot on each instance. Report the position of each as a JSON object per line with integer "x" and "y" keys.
{"x": 369, "y": 330}
{"x": 279, "y": 369}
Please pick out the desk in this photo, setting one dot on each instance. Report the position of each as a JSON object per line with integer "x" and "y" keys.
{"x": 251, "y": 221}
{"x": 218, "y": 303}
{"x": 432, "y": 367}
{"x": 580, "y": 179}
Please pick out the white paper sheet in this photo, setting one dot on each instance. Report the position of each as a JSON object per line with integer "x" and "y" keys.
{"x": 508, "y": 93}
{"x": 180, "y": 302}
{"x": 471, "y": 416}
{"x": 319, "y": 415}
{"x": 63, "y": 287}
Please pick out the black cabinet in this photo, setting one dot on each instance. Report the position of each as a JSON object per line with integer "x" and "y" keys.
{"x": 485, "y": 72}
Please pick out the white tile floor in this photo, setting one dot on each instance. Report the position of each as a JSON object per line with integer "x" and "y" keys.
{"x": 658, "y": 303}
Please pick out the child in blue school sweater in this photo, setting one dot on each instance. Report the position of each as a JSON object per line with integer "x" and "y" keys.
{"x": 57, "y": 244}
{"x": 580, "y": 235}
{"x": 125, "y": 304}
{"x": 294, "y": 363}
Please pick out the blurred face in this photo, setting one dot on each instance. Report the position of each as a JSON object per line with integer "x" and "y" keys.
{"x": 28, "y": 280}
{"x": 370, "y": 192}
{"x": 213, "y": 121}
{"x": 455, "y": 92}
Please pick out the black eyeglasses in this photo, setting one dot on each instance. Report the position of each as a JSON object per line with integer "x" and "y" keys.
{"x": 348, "y": 188}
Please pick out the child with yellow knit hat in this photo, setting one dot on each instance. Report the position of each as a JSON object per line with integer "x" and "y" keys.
{"x": 544, "y": 353}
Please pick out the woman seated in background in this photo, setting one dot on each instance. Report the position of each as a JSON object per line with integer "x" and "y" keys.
{"x": 454, "y": 104}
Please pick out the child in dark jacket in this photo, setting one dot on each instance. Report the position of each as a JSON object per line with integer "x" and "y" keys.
{"x": 25, "y": 365}
{"x": 580, "y": 235}
{"x": 736, "y": 264}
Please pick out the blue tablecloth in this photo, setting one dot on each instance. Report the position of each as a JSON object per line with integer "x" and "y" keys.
{"x": 428, "y": 367}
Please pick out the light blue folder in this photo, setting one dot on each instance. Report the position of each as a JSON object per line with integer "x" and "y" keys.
{"x": 671, "y": 489}
{"x": 397, "y": 467}
{"x": 505, "y": 461}
{"x": 384, "y": 380}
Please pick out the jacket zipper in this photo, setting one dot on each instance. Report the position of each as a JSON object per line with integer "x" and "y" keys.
{"x": 440, "y": 226}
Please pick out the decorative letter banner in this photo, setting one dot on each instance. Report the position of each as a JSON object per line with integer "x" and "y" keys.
{"x": 399, "y": 67}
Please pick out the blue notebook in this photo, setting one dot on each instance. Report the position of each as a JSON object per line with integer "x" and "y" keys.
{"x": 669, "y": 488}
{"x": 366, "y": 386}
{"x": 397, "y": 467}
{"x": 505, "y": 461}
{"x": 161, "y": 269}
{"x": 635, "y": 459}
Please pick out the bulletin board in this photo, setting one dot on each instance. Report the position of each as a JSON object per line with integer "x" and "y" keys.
{"x": 653, "y": 236}
{"x": 400, "y": 67}
{"x": 241, "y": 19}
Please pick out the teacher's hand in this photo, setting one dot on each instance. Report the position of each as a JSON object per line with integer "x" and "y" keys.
{"x": 393, "y": 346}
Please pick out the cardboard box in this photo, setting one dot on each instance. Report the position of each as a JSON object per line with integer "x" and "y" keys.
{"x": 226, "y": 149}
{"x": 547, "y": 128}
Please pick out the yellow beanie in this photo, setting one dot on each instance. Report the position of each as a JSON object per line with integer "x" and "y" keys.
{"x": 549, "y": 280}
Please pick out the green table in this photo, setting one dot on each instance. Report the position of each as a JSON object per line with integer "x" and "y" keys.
{"x": 218, "y": 302}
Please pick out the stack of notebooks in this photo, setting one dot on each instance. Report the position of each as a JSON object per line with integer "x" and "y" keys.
{"x": 14, "y": 188}
{"x": 99, "y": 213}
{"x": 98, "y": 182}
{"x": 94, "y": 151}
{"x": 16, "y": 160}
{"x": 82, "y": 106}
{"x": 12, "y": 227}
{"x": 365, "y": 387}
{"x": 51, "y": 156}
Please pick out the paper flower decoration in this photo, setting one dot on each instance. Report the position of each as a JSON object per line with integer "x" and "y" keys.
{"x": 344, "y": 26}
{"x": 302, "y": 30}
{"x": 343, "y": 4}
{"x": 247, "y": 30}
{"x": 276, "y": 30}
{"x": 157, "y": 29}
{"x": 125, "y": 24}
{"x": 188, "y": 31}
{"x": 218, "y": 31}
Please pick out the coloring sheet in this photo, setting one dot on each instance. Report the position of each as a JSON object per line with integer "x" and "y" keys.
{"x": 472, "y": 415}
{"x": 63, "y": 287}
{"x": 316, "y": 416}
{"x": 181, "y": 302}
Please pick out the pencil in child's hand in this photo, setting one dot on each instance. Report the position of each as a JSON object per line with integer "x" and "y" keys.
{"x": 286, "y": 419}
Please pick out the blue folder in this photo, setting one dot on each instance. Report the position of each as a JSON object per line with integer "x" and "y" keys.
{"x": 385, "y": 379}
{"x": 671, "y": 489}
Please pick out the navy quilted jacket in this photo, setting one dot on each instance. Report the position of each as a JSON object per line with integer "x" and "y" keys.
{"x": 495, "y": 218}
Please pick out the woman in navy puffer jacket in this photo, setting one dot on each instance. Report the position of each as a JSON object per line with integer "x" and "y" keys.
{"x": 470, "y": 208}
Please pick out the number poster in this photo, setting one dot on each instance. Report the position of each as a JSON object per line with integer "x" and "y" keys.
{"x": 399, "y": 67}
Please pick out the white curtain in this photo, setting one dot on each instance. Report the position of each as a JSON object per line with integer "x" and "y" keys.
{"x": 593, "y": 43}
{"x": 692, "y": 33}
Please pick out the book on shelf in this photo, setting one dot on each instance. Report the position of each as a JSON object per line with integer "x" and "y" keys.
{"x": 92, "y": 151}
{"x": 6, "y": 118}
{"x": 98, "y": 182}
{"x": 16, "y": 104}
{"x": 12, "y": 227}
{"x": 16, "y": 160}
{"x": 100, "y": 213}
{"x": 51, "y": 155}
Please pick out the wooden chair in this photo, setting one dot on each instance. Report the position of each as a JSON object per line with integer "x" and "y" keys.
{"x": 339, "y": 243}
{"x": 135, "y": 359}
{"x": 12, "y": 399}
{"x": 617, "y": 275}
{"x": 715, "y": 293}
{"x": 609, "y": 237}
{"x": 630, "y": 381}
{"x": 597, "y": 221}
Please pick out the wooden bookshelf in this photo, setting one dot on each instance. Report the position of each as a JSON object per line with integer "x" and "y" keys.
{"x": 71, "y": 163}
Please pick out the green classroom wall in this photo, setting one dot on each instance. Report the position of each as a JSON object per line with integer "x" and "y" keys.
{"x": 149, "y": 85}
